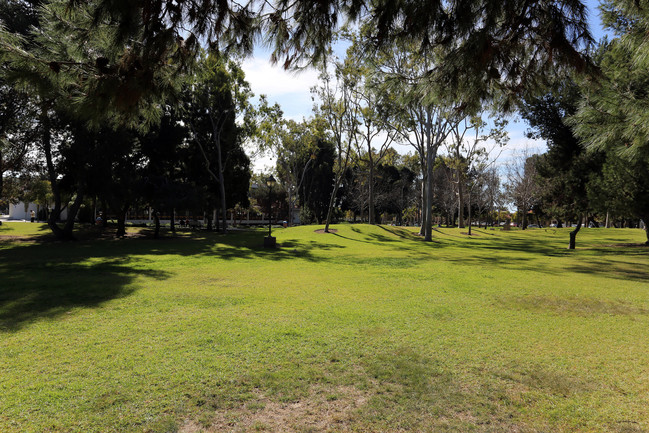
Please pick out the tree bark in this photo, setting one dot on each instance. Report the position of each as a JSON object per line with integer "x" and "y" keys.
{"x": 422, "y": 205}
{"x": 573, "y": 235}
{"x": 460, "y": 203}
{"x": 428, "y": 222}
{"x": 524, "y": 219}
{"x": 72, "y": 214}
{"x": 156, "y": 219}
{"x": 469, "y": 213}
{"x": 224, "y": 209}
{"x": 331, "y": 204}
{"x": 46, "y": 141}
{"x": 339, "y": 178}
{"x": 370, "y": 205}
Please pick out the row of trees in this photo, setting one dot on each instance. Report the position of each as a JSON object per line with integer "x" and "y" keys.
{"x": 184, "y": 152}
{"x": 117, "y": 101}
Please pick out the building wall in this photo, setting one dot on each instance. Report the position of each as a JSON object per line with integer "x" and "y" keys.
{"x": 20, "y": 211}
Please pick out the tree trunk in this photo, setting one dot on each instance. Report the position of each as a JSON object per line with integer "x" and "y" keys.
{"x": 121, "y": 221}
{"x": 224, "y": 209}
{"x": 428, "y": 229}
{"x": 172, "y": 221}
{"x": 156, "y": 219}
{"x": 72, "y": 214}
{"x": 469, "y": 214}
{"x": 422, "y": 211}
{"x": 339, "y": 178}
{"x": 573, "y": 235}
{"x": 331, "y": 204}
{"x": 524, "y": 219}
{"x": 46, "y": 139}
{"x": 370, "y": 202}
{"x": 645, "y": 220}
{"x": 290, "y": 206}
{"x": 460, "y": 204}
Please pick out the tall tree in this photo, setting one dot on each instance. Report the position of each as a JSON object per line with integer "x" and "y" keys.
{"x": 419, "y": 113}
{"x": 220, "y": 94}
{"x": 299, "y": 146}
{"x": 471, "y": 152}
{"x": 565, "y": 169}
{"x": 373, "y": 136}
{"x": 335, "y": 94}
{"x": 522, "y": 188}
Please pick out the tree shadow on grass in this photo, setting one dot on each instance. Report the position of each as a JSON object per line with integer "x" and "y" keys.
{"x": 36, "y": 291}
{"x": 42, "y": 278}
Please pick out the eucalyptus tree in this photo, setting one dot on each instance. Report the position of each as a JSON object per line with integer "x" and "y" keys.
{"x": 522, "y": 186}
{"x": 296, "y": 147}
{"x": 472, "y": 150}
{"x": 220, "y": 94}
{"x": 418, "y": 111}
{"x": 335, "y": 105}
{"x": 374, "y": 135}
{"x": 297, "y": 156}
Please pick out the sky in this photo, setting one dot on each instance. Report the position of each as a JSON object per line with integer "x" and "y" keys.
{"x": 291, "y": 91}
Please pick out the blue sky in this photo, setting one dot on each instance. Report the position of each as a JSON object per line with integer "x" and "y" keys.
{"x": 292, "y": 91}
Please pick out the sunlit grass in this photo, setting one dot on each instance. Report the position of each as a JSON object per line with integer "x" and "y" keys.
{"x": 365, "y": 329}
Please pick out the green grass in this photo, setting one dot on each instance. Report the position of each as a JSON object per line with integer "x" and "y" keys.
{"x": 368, "y": 329}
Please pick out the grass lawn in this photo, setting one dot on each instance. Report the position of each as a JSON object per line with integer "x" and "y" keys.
{"x": 369, "y": 329}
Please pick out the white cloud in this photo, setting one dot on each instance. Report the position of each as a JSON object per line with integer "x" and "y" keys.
{"x": 292, "y": 90}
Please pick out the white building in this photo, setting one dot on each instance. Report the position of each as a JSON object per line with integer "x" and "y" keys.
{"x": 22, "y": 211}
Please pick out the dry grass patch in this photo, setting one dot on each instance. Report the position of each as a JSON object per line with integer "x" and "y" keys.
{"x": 327, "y": 408}
{"x": 580, "y": 306}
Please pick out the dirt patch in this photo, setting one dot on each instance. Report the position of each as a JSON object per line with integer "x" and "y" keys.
{"x": 14, "y": 237}
{"x": 322, "y": 231}
{"x": 26, "y": 238}
{"x": 580, "y": 306}
{"x": 643, "y": 245}
{"x": 324, "y": 409}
